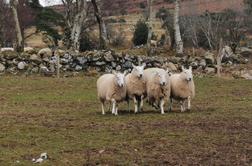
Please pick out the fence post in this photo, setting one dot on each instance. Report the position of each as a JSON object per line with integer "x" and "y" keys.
{"x": 58, "y": 63}
{"x": 218, "y": 59}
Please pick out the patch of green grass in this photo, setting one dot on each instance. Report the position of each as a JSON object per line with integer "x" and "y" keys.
{"x": 63, "y": 118}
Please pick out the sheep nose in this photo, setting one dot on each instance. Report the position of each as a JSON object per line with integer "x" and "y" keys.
{"x": 163, "y": 83}
{"x": 141, "y": 75}
{"x": 190, "y": 79}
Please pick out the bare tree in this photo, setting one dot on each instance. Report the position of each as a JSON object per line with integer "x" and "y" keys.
{"x": 20, "y": 42}
{"x": 102, "y": 27}
{"x": 76, "y": 16}
{"x": 178, "y": 39}
{"x": 167, "y": 23}
{"x": 149, "y": 19}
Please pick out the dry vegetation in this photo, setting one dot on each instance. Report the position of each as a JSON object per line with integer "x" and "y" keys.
{"x": 63, "y": 118}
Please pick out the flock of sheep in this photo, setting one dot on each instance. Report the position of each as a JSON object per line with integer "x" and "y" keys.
{"x": 155, "y": 84}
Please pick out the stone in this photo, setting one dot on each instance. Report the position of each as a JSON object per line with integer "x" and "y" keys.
{"x": 210, "y": 70}
{"x": 43, "y": 69}
{"x": 247, "y": 76}
{"x": 246, "y": 52}
{"x": 52, "y": 67}
{"x": 118, "y": 68}
{"x": 108, "y": 56}
{"x": 78, "y": 68}
{"x": 35, "y": 70}
{"x": 175, "y": 59}
{"x": 7, "y": 49}
{"x": 82, "y": 60}
{"x": 2, "y": 67}
{"x": 10, "y": 55}
{"x": 100, "y": 63}
{"x": 21, "y": 65}
{"x": 29, "y": 50}
{"x": 127, "y": 65}
{"x": 171, "y": 66}
{"x": 64, "y": 61}
{"x": 202, "y": 63}
{"x": 46, "y": 59}
{"x": 35, "y": 58}
{"x": 113, "y": 64}
{"x": 209, "y": 57}
{"x": 61, "y": 52}
{"x": 45, "y": 52}
{"x": 194, "y": 65}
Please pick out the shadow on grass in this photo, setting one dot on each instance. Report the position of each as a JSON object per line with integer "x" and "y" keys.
{"x": 151, "y": 112}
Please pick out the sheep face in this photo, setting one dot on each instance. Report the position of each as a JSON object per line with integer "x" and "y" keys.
{"x": 188, "y": 73}
{"x": 120, "y": 79}
{"x": 138, "y": 70}
{"x": 162, "y": 78}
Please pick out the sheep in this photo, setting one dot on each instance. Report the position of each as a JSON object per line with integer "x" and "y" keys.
{"x": 112, "y": 88}
{"x": 182, "y": 88}
{"x": 135, "y": 84}
{"x": 157, "y": 86}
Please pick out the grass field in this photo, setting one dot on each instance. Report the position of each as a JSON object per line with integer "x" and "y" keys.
{"x": 63, "y": 118}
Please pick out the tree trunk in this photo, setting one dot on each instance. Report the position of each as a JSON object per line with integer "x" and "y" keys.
{"x": 178, "y": 40}
{"x": 149, "y": 19}
{"x": 79, "y": 20}
{"x": 102, "y": 26}
{"x": 20, "y": 42}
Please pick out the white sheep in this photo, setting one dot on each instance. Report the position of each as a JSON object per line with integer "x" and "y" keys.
{"x": 182, "y": 88}
{"x": 157, "y": 86}
{"x": 112, "y": 88}
{"x": 135, "y": 84}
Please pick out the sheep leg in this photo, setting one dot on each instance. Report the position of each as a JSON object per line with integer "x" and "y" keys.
{"x": 141, "y": 104}
{"x": 109, "y": 106}
{"x": 102, "y": 105}
{"x": 170, "y": 106}
{"x": 128, "y": 102}
{"x": 113, "y": 106}
{"x": 189, "y": 103}
{"x": 135, "y": 103}
{"x": 182, "y": 106}
{"x": 162, "y": 102}
{"x": 116, "y": 110}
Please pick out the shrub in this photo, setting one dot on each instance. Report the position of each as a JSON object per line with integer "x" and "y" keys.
{"x": 141, "y": 33}
{"x": 122, "y": 20}
{"x": 111, "y": 20}
{"x": 118, "y": 39}
{"x": 86, "y": 43}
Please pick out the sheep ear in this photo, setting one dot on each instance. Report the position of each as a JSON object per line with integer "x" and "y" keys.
{"x": 182, "y": 67}
{"x": 190, "y": 68}
{"x": 168, "y": 72}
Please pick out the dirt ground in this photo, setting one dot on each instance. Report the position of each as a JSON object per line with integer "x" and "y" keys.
{"x": 63, "y": 118}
